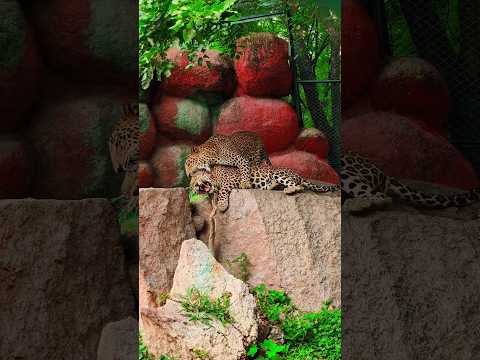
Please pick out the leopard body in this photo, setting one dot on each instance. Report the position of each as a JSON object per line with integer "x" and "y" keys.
{"x": 223, "y": 179}
{"x": 361, "y": 179}
{"x": 242, "y": 149}
{"x": 124, "y": 151}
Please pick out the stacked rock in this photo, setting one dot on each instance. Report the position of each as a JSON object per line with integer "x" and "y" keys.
{"x": 57, "y": 111}
{"x": 220, "y": 96}
{"x": 395, "y": 110}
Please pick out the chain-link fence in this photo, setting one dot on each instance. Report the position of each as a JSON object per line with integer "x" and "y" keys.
{"x": 316, "y": 89}
{"x": 445, "y": 33}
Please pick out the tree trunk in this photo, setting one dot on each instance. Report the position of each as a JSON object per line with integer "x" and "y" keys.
{"x": 306, "y": 69}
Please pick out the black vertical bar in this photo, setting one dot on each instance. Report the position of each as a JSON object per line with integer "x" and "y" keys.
{"x": 295, "y": 89}
{"x": 382, "y": 26}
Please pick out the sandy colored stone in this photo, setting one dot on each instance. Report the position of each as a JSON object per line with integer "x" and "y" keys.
{"x": 62, "y": 277}
{"x": 119, "y": 340}
{"x": 166, "y": 330}
{"x": 164, "y": 223}
{"x": 292, "y": 242}
{"x": 410, "y": 283}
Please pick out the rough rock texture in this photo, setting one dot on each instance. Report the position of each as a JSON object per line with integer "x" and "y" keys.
{"x": 164, "y": 223}
{"x": 306, "y": 164}
{"x": 16, "y": 168}
{"x": 166, "y": 330}
{"x": 410, "y": 283}
{"x": 88, "y": 38}
{"x": 212, "y": 73}
{"x": 145, "y": 174}
{"x": 255, "y": 114}
{"x": 412, "y": 86}
{"x": 182, "y": 119}
{"x": 19, "y": 66}
{"x": 405, "y": 150}
{"x": 119, "y": 340}
{"x": 62, "y": 277}
{"x": 313, "y": 141}
{"x": 168, "y": 163}
{"x": 148, "y": 132}
{"x": 292, "y": 242}
{"x": 69, "y": 133}
{"x": 262, "y": 66}
{"x": 360, "y": 50}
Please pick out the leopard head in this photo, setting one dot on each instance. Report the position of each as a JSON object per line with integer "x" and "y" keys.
{"x": 201, "y": 183}
{"x": 200, "y": 159}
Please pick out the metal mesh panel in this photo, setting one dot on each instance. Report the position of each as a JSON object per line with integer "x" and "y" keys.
{"x": 316, "y": 89}
{"x": 445, "y": 32}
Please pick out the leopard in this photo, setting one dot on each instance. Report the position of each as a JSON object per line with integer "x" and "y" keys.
{"x": 221, "y": 180}
{"x": 367, "y": 187}
{"x": 242, "y": 149}
{"x": 124, "y": 151}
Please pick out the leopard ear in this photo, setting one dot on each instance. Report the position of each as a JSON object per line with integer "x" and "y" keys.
{"x": 194, "y": 149}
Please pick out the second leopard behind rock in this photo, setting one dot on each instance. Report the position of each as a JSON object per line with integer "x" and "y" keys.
{"x": 223, "y": 179}
{"x": 242, "y": 149}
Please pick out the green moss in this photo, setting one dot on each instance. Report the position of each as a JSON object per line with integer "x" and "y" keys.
{"x": 12, "y": 35}
{"x": 111, "y": 30}
{"x": 144, "y": 117}
{"x": 192, "y": 117}
{"x": 182, "y": 180}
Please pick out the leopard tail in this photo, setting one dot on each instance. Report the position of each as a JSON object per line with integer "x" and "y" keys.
{"x": 320, "y": 188}
{"x": 439, "y": 201}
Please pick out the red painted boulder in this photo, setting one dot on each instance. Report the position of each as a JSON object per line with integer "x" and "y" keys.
{"x": 145, "y": 174}
{"x": 15, "y": 168}
{"x": 313, "y": 141}
{"x": 413, "y": 86}
{"x": 95, "y": 40}
{"x": 262, "y": 66}
{"x": 306, "y": 165}
{"x": 168, "y": 163}
{"x": 182, "y": 119}
{"x": 212, "y": 72}
{"x": 360, "y": 51}
{"x": 275, "y": 121}
{"x": 70, "y": 137}
{"x": 361, "y": 106}
{"x": 148, "y": 132}
{"x": 405, "y": 150}
{"x": 19, "y": 66}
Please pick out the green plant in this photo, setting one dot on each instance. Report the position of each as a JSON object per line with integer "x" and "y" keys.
{"x": 191, "y": 25}
{"x": 143, "y": 353}
{"x": 193, "y": 197}
{"x": 239, "y": 267}
{"x": 201, "y": 354}
{"x": 307, "y": 336}
{"x": 199, "y": 306}
{"x": 274, "y": 304}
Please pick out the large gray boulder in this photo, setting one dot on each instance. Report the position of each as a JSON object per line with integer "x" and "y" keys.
{"x": 165, "y": 221}
{"x": 62, "y": 277}
{"x": 168, "y": 331}
{"x": 410, "y": 282}
{"x": 291, "y": 241}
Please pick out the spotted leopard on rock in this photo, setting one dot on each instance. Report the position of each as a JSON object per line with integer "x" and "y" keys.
{"x": 223, "y": 179}
{"x": 367, "y": 186}
{"x": 124, "y": 151}
{"x": 242, "y": 150}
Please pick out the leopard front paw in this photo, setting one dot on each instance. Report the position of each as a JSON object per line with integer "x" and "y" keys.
{"x": 245, "y": 184}
{"x": 293, "y": 189}
{"x": 357, "y": 205}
